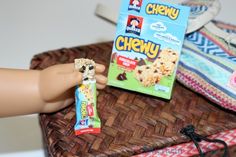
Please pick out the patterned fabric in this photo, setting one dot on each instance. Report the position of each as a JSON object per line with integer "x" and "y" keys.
{"x": 210, "y": 44}
{"x": 199, "y": 7}
{"x": 201, "y": 12}
{"x": 226, "y": 27}
{"x": 197, "y": 10}
{"x": 206, "y": 65}
{"x": 189, "y": 149}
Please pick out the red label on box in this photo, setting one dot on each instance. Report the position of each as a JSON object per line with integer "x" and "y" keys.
{"x": 126, "y": 62}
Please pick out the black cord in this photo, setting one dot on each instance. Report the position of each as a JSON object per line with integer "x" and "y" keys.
{"x": 189, "y": 131}
{"x": 196, "y": 144}
{"x": 217, "y": 141}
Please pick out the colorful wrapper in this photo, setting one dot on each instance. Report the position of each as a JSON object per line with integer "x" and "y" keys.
{"x": 87, "y": 120}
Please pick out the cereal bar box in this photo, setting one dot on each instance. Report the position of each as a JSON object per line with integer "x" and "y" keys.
{"x": 147, "y": 46}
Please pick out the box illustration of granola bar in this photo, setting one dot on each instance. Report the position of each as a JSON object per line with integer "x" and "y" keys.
{"x": 147, "y": 46}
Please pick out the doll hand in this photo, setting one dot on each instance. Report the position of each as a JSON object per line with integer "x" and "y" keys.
{"x": 56, "y": 85}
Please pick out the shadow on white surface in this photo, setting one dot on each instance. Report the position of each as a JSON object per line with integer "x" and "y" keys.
{"x": 20, "y": 134}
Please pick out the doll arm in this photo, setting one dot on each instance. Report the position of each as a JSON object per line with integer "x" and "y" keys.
{"x": 34, "y": 91}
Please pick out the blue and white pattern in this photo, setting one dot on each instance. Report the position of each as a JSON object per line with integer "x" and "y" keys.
{"x": 208, "y": 46}
{"x": 197, "y": 10}
{"x": 229, "y": 31}
{"x": 204, "y": 58}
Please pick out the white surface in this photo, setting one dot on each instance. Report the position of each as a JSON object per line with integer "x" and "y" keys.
{"x": 20, "y": 136}
{"x": 28, "y": 27}
{"x": 32, "y": 26}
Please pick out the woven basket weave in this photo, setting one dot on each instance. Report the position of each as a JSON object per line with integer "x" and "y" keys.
{"x": 132, "y": 123}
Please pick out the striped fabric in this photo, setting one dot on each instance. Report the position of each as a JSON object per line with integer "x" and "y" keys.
{"x": 197, "y": 10}
{"x": 226, "y": 27}
{"x": 210, "y": 44}
{"x": 189, "y": 149}
{"x": 206, "y": 65}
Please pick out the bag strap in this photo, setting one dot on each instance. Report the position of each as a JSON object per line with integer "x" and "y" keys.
{"x": 189, "y": 131}
{"x": 106, "y": 13}
{"x": 230, "y": 38}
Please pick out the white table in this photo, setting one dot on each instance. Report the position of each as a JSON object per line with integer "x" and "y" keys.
{"x": 28, "y": 27}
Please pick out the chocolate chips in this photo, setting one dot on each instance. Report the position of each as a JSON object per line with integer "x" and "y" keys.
{"x": 121, "y": 77}
{"x": 85, "y": 79}
{"x": 141, "y": 62}
{"x": 140, "y": 71}
{"x": 82, "y": 69}
{"x": 91, "y": 67}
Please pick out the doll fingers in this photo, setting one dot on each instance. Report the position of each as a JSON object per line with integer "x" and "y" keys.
{"x": 70, "y": 67}
{"x": 61, "y": 84}
{"x": 101, "y": 79}
{"x": 100, "y": 86}
{"x": 100, "y": 68}
{"x": 72, "y": 79}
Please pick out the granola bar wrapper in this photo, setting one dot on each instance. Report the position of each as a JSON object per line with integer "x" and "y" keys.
{"x": 87, "y": 120}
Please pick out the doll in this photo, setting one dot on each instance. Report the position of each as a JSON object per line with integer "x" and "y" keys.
{"x": 34, "y": 91}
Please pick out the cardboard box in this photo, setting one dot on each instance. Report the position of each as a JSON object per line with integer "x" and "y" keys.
{"x": 147, "y": 46}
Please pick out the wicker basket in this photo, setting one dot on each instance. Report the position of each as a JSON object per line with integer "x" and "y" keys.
{"x": 132, "y": 123}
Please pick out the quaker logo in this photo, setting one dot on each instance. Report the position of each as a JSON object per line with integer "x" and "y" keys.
{"x": 135, "y": 5}
{"x": 134, "y": 25}
{"x": 83, "y": 122}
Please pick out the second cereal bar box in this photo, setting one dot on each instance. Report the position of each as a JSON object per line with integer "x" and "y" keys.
{"x": 147, "y": 46}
